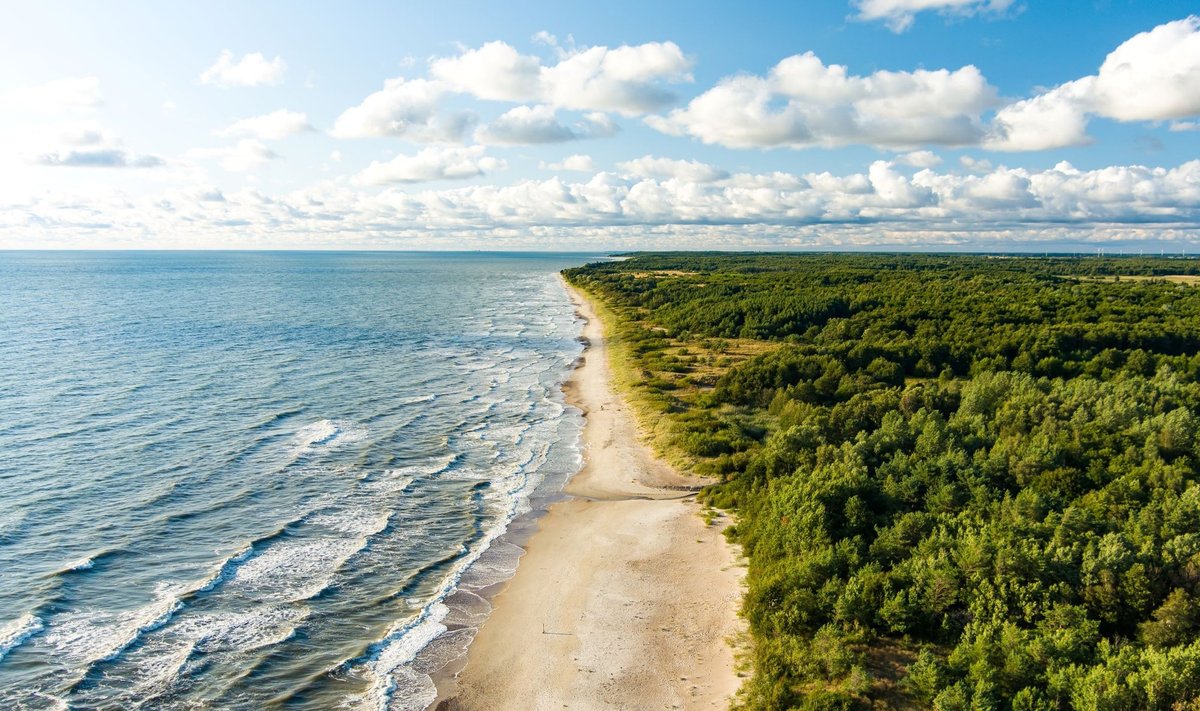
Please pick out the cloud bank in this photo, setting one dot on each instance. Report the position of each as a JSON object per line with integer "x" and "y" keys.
{"x": 660, "y": 202}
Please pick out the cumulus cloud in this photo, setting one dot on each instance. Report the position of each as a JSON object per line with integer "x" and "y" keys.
{"x": 246, "y": 155}
{"x": 804, "y": 102}
{"x": 975, "y": 165}
{"x": 540, "y": 124}
{"x": 495, "y": 71}
{"x": 74, "y": 94}
{"x": 628, "y": 79}
{"x": 691, "y": 171}
{"x": 269, "y": 127}
{"x": 432, "y": 163}
{"x": 576, "y": 163}
{"x": 1153, "y": 76}
{"x": 406, "y": 108}
{"x": 252, "y": 69}
{"x": 920, "y": 159}
{"x": 1054, "y": 119}
{"x": 899, "y": 15}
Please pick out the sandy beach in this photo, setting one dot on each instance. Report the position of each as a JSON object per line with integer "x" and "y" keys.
{"x": 625, "y": 599}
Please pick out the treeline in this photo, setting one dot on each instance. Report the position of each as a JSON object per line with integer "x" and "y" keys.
{"x": 961, "y": 482}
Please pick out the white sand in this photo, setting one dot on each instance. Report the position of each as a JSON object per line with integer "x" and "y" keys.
{"x": 625, "y": 599}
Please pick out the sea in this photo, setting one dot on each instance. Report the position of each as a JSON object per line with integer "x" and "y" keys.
{"x": 268, "y": 480}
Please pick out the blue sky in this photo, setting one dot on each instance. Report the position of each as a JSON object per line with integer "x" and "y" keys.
{"x": 986, "y": 124}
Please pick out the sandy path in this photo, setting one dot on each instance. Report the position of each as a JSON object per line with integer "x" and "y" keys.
{"x": 625, "y": 598}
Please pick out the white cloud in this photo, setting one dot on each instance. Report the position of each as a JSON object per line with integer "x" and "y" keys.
{"x": 1054, "y": 119}
{"x": 546, "y": 38}
{"x": 407, "y": 108}
{"x": 626, "y": 79}
{"x": 273, "y": 126}
{"x": 920, "y": 159}
{"x": 98, "y": 157}
{"x": 690, "y": 171}
{"x": 1181, "y": 126}
{"x": 975, "y": 165}
{"x": 75, "y": 94}
{"x": 496, "y": 71}
{"x": 899, "y": 15}
{"x": 431, "y": 163}
{"x": 83, "y": 133}
{"x": 79, "y": 144}
{"x": 1153, "y": 76}
{"x": 577, "y": 163}
{"x": 247, "y": 155}
{"x": 251, "y": 70}
{"x": 540, "y": 124}
{"x": 803, "y": 102}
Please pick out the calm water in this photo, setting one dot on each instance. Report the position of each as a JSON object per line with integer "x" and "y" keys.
{"x": 266, "y": 480}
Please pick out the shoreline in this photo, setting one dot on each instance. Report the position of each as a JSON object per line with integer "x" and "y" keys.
{"x": 625, "y": 597}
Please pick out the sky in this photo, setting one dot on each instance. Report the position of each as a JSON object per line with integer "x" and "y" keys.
{"x": 975, "y": 125}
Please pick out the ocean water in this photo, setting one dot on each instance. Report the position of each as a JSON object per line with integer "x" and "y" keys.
{"x": 267, "y": 480}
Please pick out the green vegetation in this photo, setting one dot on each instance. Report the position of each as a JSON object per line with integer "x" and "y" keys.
{"x": 961, "y": 482}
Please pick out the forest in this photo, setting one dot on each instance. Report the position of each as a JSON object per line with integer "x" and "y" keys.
{"x": 961, "y": 482}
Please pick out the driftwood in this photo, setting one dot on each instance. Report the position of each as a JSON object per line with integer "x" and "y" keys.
{"x": 557, "y": 634}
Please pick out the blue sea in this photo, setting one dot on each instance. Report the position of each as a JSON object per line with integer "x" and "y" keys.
{"x": 268, "y": 480}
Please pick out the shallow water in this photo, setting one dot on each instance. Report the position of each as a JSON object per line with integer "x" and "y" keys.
{"x": 266, "y": 480}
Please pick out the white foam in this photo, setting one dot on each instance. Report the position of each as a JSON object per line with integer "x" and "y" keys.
{"x": 88, "y": 636}
{"x": 295, "y": 570}
{"x": 435, "y": 465}
{"x": 85, "y": 563}
{"x": 154, "y": 669}
{"x": 45, "y": 701}
{"x": 360, "y": 522}
{"x": 388, "y": 485}
{"x": 221, "y": 571}
{"x": 400, "y": 647}
{"x": 262, "y": 627}
{"x": 418, "y": 399}
{"x": 406, "y": 638}
{"x": 325, "y": 434}
{"x": 14, "y": 633}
